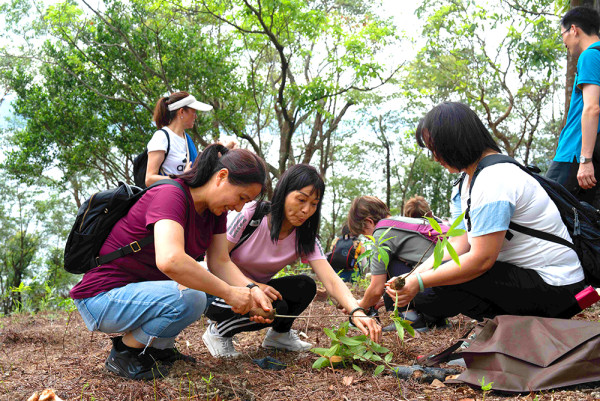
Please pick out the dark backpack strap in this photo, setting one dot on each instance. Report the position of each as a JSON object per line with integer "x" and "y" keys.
{"x": 136, "y": 246}
{"x": 499, "y": 158}
{"x": 483, "y": 163}
{"x": 262, "y": 209}
{"x": 167, "y": 152}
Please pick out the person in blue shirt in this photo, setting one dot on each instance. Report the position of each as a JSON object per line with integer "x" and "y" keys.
{"x": 576, "y": 164}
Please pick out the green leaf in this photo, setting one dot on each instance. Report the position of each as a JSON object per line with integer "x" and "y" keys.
{"x": 435, "y": 225}
{"x": 379, "y": 348}
{"x": 320, "y": 363}
{"x": 350, "y": 341}
{"x": 452, "y": 253}
{"x": 408, "y": 327}
{"x": 358, "y": 369}
{"x": 378, "y": 370}
{"x": 457, "y": 232}
{"x": 388, "y": 357}
{"x": 319, "y": 351}
{"x": 438, "y": 254}
{"x": 332, "y": 351}
{"x": 330, "y": 333}
{"x": 457, "y": 221}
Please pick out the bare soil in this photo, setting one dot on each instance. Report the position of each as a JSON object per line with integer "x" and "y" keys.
{"x": 43, "y": 351}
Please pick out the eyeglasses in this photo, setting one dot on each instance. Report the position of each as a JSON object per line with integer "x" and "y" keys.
{"x": 562, "y": 34}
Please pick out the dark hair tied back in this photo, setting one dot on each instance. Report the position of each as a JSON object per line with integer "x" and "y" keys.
{"x": 243, "y": 166}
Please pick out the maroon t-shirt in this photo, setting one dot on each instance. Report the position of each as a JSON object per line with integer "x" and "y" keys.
{"x": 163, "y": 202}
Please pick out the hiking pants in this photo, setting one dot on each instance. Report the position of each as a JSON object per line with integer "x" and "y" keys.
{"x": 505, "y": 289}
{"x": 297, "y": 293}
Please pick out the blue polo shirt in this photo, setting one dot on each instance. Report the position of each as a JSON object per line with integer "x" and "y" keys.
{"x": 588, "y": 72}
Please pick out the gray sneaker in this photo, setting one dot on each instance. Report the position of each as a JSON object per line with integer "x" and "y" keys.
{"x": 219, "y": 346}
{"x": 288, "y": 341}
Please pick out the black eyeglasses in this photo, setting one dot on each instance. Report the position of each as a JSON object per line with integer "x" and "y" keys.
{"x": 562, "y": 34}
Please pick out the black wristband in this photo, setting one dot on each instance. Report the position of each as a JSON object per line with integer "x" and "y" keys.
{"x": 251, "y": 286}
{"x": 354, "y": 310}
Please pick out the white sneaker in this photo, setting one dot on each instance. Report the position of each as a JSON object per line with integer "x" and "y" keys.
{"x": 219, "y": 346}
{"x": 288, "y": 341}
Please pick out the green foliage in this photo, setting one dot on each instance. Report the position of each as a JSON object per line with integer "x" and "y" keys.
{"x": 501, "y": 58}
{"x": 443, "y": 243}
{"x": 485, "y": 387}
{"x": 346, "y": 350}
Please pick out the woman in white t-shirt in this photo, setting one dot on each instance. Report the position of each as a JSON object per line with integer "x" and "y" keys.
{"x": 172, "y": 115}
{"x": 501, "y": 271}
{"x": 287, "y": 233}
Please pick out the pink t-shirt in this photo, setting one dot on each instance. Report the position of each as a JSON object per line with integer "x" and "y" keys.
{"x": 163, "y": 202}
{"x": 258, "y": 257}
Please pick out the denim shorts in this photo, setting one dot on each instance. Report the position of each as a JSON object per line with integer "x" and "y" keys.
{"x": 154, "y": 311}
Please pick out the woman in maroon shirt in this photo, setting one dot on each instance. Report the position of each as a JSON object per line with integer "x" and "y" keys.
{"x": 153, "y": 294}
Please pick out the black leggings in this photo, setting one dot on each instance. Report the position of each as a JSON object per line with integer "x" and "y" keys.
{"x": 297, "y": 293}
{"x": 505, "y": 289}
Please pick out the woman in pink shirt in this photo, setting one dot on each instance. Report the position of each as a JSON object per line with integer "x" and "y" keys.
{"x": 287, "y": 233}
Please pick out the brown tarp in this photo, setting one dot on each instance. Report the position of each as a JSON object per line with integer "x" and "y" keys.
{"x": 527, "y": 353}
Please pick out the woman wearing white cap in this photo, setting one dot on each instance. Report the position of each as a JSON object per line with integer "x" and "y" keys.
{"x": 171, "y": 150}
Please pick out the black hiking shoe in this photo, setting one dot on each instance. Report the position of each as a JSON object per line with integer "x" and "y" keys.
{"x": 134, "y": 364}
{"x": 169, "y": 356}
{"x": 423, "y": 323}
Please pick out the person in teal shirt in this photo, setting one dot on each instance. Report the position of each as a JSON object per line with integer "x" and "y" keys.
{"x": 576, "y": 164}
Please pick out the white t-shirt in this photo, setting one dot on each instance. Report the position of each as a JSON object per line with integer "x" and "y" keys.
{"x": 176, "y": 160}
{"x": 258, "y": 257}
{"x": 503, "y": 193}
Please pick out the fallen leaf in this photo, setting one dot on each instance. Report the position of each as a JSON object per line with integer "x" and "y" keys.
{"x": 331, "y": 387}
{"x": 437, "y": 384}
{"x": 34, "y": 397}
{"x": 467, "y": 399}
{"x": 335, "y": 359}
{"x": 347, "y": 380}
{"x": 451, "y": 377}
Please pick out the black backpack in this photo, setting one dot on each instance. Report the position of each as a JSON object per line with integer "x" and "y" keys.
{"x": 96, "y": 218}
{"x": 140, "y": 164}
{"x": 343, "y": 254}
{"x": 581, "y": 219}
{"x": 262, "y": 209}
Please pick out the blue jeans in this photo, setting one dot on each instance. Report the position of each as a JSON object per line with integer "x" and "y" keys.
{"x": 154, "y": 311}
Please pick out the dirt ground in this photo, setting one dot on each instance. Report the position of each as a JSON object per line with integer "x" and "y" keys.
{"x": 42, "y": 351}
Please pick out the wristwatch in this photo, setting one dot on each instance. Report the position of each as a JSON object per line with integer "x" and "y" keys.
{"x": 251, "y": 286}
{"x": 584, "y": 160}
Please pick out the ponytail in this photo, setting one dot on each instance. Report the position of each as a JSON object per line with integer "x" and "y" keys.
{"x": 162, "y": 116}
{"x": 244, "y": 167}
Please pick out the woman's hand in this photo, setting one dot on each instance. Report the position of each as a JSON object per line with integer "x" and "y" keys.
{"x": 367, "y": 325}
{"x": 240, "y": 299}
{"x": 261, "y": 300}
{"x": 271, "y": 292}
{"x": 403, "y": 296}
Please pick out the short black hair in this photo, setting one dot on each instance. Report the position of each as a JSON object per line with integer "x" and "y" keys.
{"x": 586, "y": 18}
{"x": 294, "y": 179}
{"x": 455, "y": 135}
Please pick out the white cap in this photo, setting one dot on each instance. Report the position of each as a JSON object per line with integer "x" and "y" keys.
{"x": 190, "y": 101}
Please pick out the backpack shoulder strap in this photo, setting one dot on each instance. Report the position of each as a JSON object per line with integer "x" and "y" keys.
{"x": 499, "y": 158}
{"x": 136, "y": 246}
{"x": 262, "y": 209}
{"x": 483, "y": 163}
{"x": 168, "y": 148}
